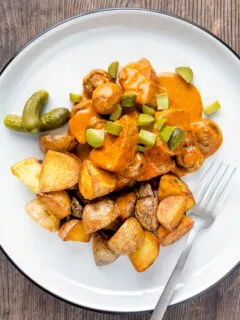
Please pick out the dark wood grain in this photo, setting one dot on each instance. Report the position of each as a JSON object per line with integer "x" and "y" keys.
{"x": 21, "y": 20}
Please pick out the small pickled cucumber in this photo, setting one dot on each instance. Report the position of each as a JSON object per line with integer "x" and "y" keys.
{"x": 31, "y": 111}
{"x": 186, "y": 73}
{"x": 48, "y": 121}
{"x": 13, "y": 122}
{"x": 54, "y": 119}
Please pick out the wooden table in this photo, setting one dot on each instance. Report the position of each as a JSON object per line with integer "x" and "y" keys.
{"x": 21, "y": 20}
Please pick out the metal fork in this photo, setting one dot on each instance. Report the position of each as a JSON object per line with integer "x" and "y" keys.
{"x": 209, "y": 193}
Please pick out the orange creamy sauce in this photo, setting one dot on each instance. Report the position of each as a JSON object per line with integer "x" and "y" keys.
{"x": 181, "y": 94}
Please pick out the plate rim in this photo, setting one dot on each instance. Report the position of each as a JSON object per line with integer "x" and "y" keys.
{"x": 46, "y": 30}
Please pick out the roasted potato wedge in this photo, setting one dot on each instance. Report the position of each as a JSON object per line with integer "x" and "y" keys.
{"x": 145, "y": 190}
{"x": 146, "y": 212}
{"x": 95, "y": 182}
{"x": 99, "y": 214}
{"x": 128, "y": 238}
{"x": 102, "y": 253}
{"x": 171, "y": 185}
{"x": 144, "y": 257}
{"x": 73, "y": 230}
{"x": 60, "y": 143}
{"x": 82, "y": 151}
{"x": 123, "y": 182}
{"x": 77, "y": 208}
{"x": 113, "y": 226}
{"x": 167, "y": 237}
{"x": 58, "y": 203}
{"x": 126, "y": 203}
{"x": 170, "y": 211}
{"x": 28, "y": 171}
{"x": 39, "y": 212}
{"x": 60, "y": 171}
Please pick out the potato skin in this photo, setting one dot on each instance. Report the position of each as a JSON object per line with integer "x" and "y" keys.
{"x": 145, "y": 256}
{"x": 168, "y": 237}
{"x": 126, "y": 203}
{"x": 99, "y": 214}
{"x": 145, "y": 190}
{"x": 76, "y": 208}
{"x": 39, "y": 212}
{"x": 60, "y": 171}
{"x": 60, "y": 143}
{"x": 103, "y": 255}
{"x": 95, "y": 182}
{"x": 58, "y": 203}
{"x": 73, "y": 230}
{"x": 128, "y": 238}
{"x": 28, "y": 171}
{"x": 171, "y": 185}
{"x": 170, "y": 211}
{"x": 146, "y": 212}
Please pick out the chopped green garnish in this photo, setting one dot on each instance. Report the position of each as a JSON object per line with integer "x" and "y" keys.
{"x": 140, "y": 148}
{"x": 128, "y": 99}
{"x": 95, "y": 137}
{"x": 113, "y": 69}
{"x": 186, "y": 73}
{"x": 166, "y": 133}
{"x": 116, "y": 113}
{"x": 113, "y": 128}
{"x": 148, "y": 110}
{"x": 160, "y": 123}
{"x": 145, "y": 120}
{"x": 162, "y": 101}
{"x": 211, "y": 108}
{"x": 176, "y": 138}
{"x": 75, "y": 98}
{"x": 147, "y": 138}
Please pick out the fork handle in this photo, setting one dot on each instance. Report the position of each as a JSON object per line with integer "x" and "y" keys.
{"x": 167, "y": 294}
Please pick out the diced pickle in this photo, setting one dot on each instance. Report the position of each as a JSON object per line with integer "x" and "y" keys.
{"x": 148, "y": 110}
{"x": 74, "y": 97}
{"x": 162, "y": 101}
{"x": 176, "y": 138}
{"x": 113, "y": 128}
{"x": 145, "y": 120}
{"x": 116, "y": 113}
{"x": 128, "y": 99}
{"x": 147, "y": 138}
{"x": 186, "y": 73}
{"x": 166, "y": 133}
{"x": 211, "y": 108}
{"x": 140, "y": 148}
{"x": 160, "y": 123}
{"x": 95, "y": 137}
{"x": 113, "y": 69}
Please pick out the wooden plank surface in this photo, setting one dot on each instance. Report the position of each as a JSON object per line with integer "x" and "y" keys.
{"x": 21, "y": 20}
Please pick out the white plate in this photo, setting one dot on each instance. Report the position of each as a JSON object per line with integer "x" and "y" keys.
{"x": 57, "y": 61}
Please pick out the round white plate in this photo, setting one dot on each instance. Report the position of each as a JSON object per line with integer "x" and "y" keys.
{"x": 57, "y": 61}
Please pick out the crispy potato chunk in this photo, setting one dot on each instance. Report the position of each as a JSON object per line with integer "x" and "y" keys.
{"x": 39, "y": 212}
{"x": 123, "y": 182}
{"x": 77, "y": 208}
{"x": 117, "y": 152}
{"x": 99, "y": 214}
{"x": 144, "y": 257}
{"x": 60, "y": 171}
{"x": 113, "y": 226}
{"x": 126, "y": 203}
{"x": 170, "y": 211}
{"x": 129, "y": 237}
{"x": 57, "y": 143}
{"x": 95, "y": 182}
{"x": 28, "y": 171}
{"x": 167, "y": 237}
{"x": 145, "y": 190}
{"x": 73, "y": 230}
{"x": 58, "y": 203}
{"x": 102, "y": 253}
{"x": 171, "y": 185}
{"x": 146, "y": 212}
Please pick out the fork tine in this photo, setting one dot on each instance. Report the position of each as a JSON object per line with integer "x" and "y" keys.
{"x": 206, "y": 182}
{"x": 205, "y": 173}
{"x": 213, "y": 186}
{"x": 221, "y": 188}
